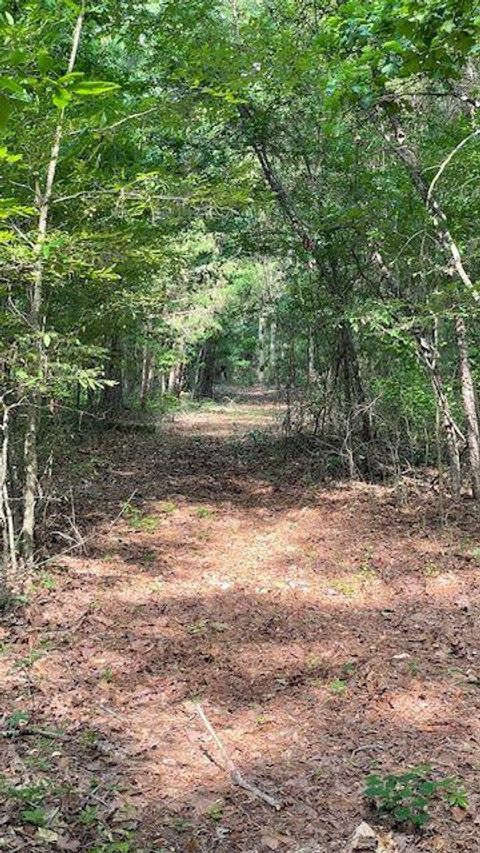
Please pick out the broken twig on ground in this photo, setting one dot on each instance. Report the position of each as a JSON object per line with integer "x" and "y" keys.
{"x": 232, "y": 769}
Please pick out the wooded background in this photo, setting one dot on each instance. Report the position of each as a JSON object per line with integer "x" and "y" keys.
{"x": 238, "y": 191}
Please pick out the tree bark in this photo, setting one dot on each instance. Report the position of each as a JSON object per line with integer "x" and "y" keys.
{"x": 429, "y": 357}
{"x": 113, "y": 396}
{"x": 9, "y": 553}
{"x": 409, "y": 158}
{"x": 262, "y": 346}
{"x": 355, "y": 391}
{"x": 175, "y": 379}
{"x": 37, "y": 320}
{"x": 469, "y": 405}
{"x": 312, "y": 368}
{"x": 272, "y": 366}
{"x": 147, "y": 374}
{"x": 206, "y": 377}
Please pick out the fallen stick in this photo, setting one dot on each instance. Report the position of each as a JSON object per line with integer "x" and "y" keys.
{"x": 235, "y": 774}
{"x": 14, "y": 734}
{"x": 56, "y": 557}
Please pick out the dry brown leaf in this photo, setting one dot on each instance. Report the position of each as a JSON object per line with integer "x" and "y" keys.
{"x": 69, "y": 845}
{"x": 271, "y": 842}
{"x": 458, "y": 814}
{"x": 438, "y": 844}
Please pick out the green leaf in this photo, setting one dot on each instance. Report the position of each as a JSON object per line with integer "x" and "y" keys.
{"x": 9, "y": 207}
{"x": 45, "y": 60}
{"x": 75, "y": 7}
{"x": 402, "y": 813}
{"x": 389, "y": 69}
{"x": 94, "y": 87}
{"x": 9, "y": 84}
{"x": 5, "y": 109}
{"x": 61, "y": 98}
{"x": 16, "y": 719}
{"x": 71, "y": 77}
{"x": 7, "y": 157}
{"x": 448, "y": 26}
{"x": 459, "y": 799}
{"x": 36, "y": 816}
{"x": 394, "y": 46}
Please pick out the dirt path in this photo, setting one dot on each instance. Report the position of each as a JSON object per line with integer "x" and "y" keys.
{"x": 326, "y": 632}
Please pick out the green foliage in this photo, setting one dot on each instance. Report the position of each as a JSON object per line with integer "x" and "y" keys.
{"x": 215, "y": 812}
{"x": 180, "y": 824}
{"x": 31, "y": 794}
{"x": 432, "y": 570}
{"x": 29, "y": 659}
{"x": 107, "y": 675}
{"x": 167, "y": 507}
{"x": 88, "y": 816}
{"x": 37, "y": 816}
{"x": 338, "y": 687}
{"x": 16, "y": 721}
{"x": 225, "y": 180}
{"x": 407, "y": 796}
{"x": 138, "y": 520}
{"x": 47, "y": 581}
{"x": 203, "y": 512}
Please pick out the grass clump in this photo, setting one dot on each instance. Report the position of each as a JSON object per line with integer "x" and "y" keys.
{"x": 138, "y": 520}
{"x": 203, "y": 512}
{"x": 338, "y": 687}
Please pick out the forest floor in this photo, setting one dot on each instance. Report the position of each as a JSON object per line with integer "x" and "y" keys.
{"x": 327, "y": 631}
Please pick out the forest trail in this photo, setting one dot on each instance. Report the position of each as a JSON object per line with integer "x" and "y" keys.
{"x": 325, "y": 629}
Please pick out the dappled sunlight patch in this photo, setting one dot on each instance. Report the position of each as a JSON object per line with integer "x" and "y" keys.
{"x": 50, "y": 667}
{"x": 237, "y": 599}
{"x": 444, "y": 585}
{"x": 138, "y": 591}
{"x": 424, "y": 706}
{"x": 231, "y": 419}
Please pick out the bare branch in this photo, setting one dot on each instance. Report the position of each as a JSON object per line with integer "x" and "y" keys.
{"x": 448, "y": 160}
{"x": 115, "y": 124}
{"x": 232, "y": 769}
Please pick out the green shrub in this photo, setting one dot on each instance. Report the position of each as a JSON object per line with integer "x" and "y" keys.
{"x": 406, "y": 796}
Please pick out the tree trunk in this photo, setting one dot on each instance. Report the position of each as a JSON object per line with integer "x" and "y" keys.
{"x": 262, "y": 346}
{"x": 36, "y": 318}
{"x": 147, "y": 374}
{"x": 112, "y": 397}
{"x": 429, "y": 357}
{"x": 30, "y": 490}
{"x": 175, "y": 378}
{"x": 409, "y": 157}
{"x": 469, "y": 405}
{"x": 312, "y": 369}
{"x": 206, "y": 377}
{"x": 172, "y": 379}
{"x": 272, "y": 366}
{"x": 9, "y": 553}
{"x": 354, "y": 389}
{"x": 162, "y": 383}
